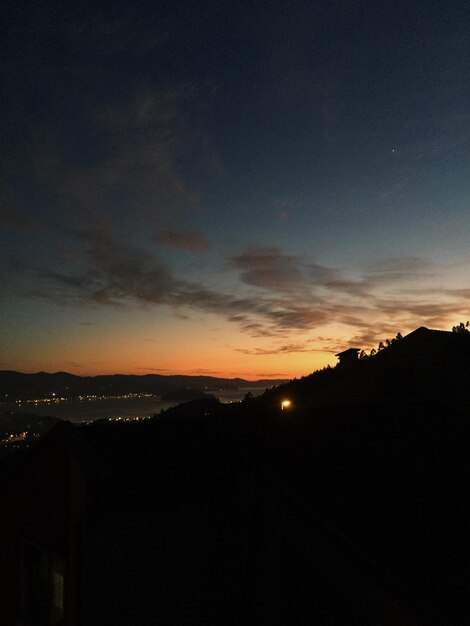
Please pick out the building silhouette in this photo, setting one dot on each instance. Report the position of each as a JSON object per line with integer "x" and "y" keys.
{"x": 348, "y": 357}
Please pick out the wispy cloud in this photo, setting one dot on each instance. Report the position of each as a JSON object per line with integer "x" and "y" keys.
{"x": 281, "y": 349}
{"x": 152, "y": 369}
{"x": 182, "y": 240}
{"x": 402, "y": 268}
{"x": 269, "y": 268}
{"x": 280, "y": 296}
{"x": 132, "y": 180}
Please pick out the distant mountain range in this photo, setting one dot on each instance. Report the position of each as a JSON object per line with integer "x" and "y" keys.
{"x": 20, "y": 386}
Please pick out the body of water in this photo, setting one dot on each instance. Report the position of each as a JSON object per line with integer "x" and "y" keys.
{"x": 115, "y": 408}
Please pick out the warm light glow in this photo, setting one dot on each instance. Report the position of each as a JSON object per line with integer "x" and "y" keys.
{"x": 125, "y": 342}
{"x": 285, "y": 404}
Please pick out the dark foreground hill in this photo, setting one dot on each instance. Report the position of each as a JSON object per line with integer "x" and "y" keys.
{"x": 425, "y": 366}
{"x": 351, "y": 515}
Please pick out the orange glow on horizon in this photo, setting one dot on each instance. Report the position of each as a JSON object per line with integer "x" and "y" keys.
{"x": 132, "y": 364}
{"x": 176, "y": 347}
{"x": 138, "y": 343}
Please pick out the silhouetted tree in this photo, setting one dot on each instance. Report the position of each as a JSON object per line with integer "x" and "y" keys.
{"x": 363, "y": 355}
{"x": 461, "y": 328}
{"x": 387, "y": 343}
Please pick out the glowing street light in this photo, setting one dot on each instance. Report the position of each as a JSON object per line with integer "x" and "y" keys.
{"x": 285, "y": 404}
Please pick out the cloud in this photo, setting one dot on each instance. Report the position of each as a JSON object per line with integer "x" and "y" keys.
{"x": 460, "y": 293}
{"x": 182, "y": 240}
{"x": 269, "y": 268}
{"x": 152, "y": 369}
{"x": 271, "y": 375}
{"x": 400, "y": 268}
{"x": 281, "y": 349}
{"x": 352, "y": 287}
{"x": 115, "y": 273}
{"x": 131, "y": 178}
{"x": 144, "y": 137}
{"x": 280, "y": 296}
{"x": 203, "y": 372}
{"x": 119, "y": 272}
{"x": 145, "y": 110}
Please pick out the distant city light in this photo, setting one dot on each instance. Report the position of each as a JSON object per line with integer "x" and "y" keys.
{"x": 285, "y": 404}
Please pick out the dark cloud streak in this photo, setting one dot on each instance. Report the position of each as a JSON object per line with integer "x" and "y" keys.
{"x": 182, "y": 240}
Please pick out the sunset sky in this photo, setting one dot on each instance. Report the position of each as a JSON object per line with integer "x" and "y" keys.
{"x": 230, "y": 188}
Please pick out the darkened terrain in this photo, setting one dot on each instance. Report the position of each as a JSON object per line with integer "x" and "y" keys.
{"x": 326, "y": 512}
{"x": 19, "y": 386}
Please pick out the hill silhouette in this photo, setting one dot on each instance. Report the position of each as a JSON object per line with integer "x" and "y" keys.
{"x": 347, "y": 508}
{"x": 426, "y": 365}
{"x": 21, "y": 386}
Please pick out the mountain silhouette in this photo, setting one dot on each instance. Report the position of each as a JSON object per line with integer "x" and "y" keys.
{"x": 347, "y": 507}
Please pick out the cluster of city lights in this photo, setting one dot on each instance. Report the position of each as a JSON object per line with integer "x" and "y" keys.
{"x": 127, "y": 396}
{"x": 41, "y": 401}
{"x": 14, "y": 438}
{"x": 129, "y": 419}
{"x": 54, "y": 399}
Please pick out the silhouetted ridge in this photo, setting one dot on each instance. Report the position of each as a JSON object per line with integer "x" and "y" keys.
{"x": 17, "y": 385}
{"x": 333, "y": 510}
{"x": 425, "y": 365}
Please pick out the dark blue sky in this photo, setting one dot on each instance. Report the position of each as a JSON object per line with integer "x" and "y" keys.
{"x": 279, "y": 179}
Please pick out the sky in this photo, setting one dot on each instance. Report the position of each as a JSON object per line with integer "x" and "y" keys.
{"x": 230, "y": 188}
